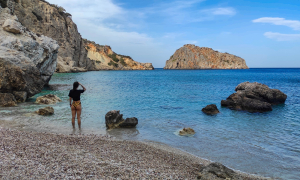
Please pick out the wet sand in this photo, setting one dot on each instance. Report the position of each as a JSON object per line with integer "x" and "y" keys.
{"x": 34, "y": 155}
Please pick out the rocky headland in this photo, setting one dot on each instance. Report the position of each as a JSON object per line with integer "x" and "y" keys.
{"x": 27, "y": 60}
{"x": 75, "y": 53}
{"x": 193, "y": 57}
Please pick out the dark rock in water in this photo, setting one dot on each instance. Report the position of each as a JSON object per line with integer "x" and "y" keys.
{"x": 20, "y": 96}
{"x": 129, "y": 122}
{"x": 254, "y": 97}
{"x": 47, "y": 111}
{"x": 211, "y": 109}
{"x": 187, "y": 131}
{"x": 113, "y": 119}
{"x": 7, "y": 100}
{"x": 217, "y": 171}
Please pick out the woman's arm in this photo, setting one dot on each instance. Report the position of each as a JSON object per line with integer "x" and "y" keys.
{"x": 70, "y": 101}
{"x": 82, "y": 86}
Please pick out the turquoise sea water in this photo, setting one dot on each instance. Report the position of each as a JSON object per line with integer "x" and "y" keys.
{"x": 165, "y": 101}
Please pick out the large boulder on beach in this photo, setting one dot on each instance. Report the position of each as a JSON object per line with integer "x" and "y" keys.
{"x": 217, "y": 171}
{"x": 186, "y": 131}
{"x": 7, "y": 100}
{"x": 47, "y": 99}
{"x": 211, "y": 109}
{"x": 254, "y": 97}
{"x": 47, "y": 111}
{"x": 27, "y": 60}
{"x": 113, "y": 119}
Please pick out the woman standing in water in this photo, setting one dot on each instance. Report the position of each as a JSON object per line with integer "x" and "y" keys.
{"x": 74, "y": 95}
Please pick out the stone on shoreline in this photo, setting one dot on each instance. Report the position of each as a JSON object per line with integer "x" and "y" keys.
{"x": 186, "y": 131}
{"x": 48, "y": 99}
{"x": 254, "y": 97}
{"x": 7, "y": 100}
{"x": 113, "y": 119}
{"x": 211, "y": 109}
{"x": 47, "y": 111}
{"x": 217, "y": 171}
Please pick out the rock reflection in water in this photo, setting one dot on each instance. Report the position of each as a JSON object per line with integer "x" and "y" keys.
{"x": 122, "y": 133}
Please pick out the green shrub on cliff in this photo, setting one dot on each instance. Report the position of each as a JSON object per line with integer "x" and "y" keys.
{"x": 114, "y": 57}
{"x": 111, "y": 63}
{"x": 123, "y": 62}
{"x": 59, "y": 8}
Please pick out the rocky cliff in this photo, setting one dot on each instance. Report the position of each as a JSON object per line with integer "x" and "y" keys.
{"x": 102, "y": 57}
{"x": 27, "y": 60}
{"x": 75, "y": 53}
{"x": 193, "y": 57}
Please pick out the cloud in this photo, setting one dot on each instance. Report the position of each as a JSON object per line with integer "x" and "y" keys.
{"x": 229, "y": 11}
{"x": 132, "y": 31}
{"x": 282, "y": 37}
{"x": 294, "y": 24}
{"x": 93, "y": 9}
{"x": 183, "y": 12}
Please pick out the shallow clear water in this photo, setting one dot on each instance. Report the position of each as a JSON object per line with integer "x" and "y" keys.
{"x": 165, "y": 101}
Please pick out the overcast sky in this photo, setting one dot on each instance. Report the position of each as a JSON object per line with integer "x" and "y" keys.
{"x": 266, "y": 33}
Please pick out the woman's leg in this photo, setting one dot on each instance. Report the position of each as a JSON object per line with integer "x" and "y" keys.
{"x": 78, "y": 111}
{"x": 73, "y": 115}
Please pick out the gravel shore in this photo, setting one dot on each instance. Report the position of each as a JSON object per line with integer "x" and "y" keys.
{"x": 33, "y": 155}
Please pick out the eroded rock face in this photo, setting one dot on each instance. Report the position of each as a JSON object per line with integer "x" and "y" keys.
{"x": 254, "y": 97}
{"x": 103, "y": 58}
{"x": 27, "y": 60}
{"x": 7, "y": 100}
{"x": 47, "y": 111}
{"x": 187, "y": 131}
{"x": 12, "y": 26}
{"x": 211, "y": 109}
{"x": 113, "y": 119}
{"x": 193, "y": 57}
{"x": 217, "y": 171}
{"x": 75, "y": 54}
{"x": 48, "y": 99}
{"x": 20, "y": 96}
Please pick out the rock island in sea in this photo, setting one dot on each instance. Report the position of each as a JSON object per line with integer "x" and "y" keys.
{"x": 193, "y": 57}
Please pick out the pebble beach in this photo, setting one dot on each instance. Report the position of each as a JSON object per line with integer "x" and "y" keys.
{"x": 33, "y": 155}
